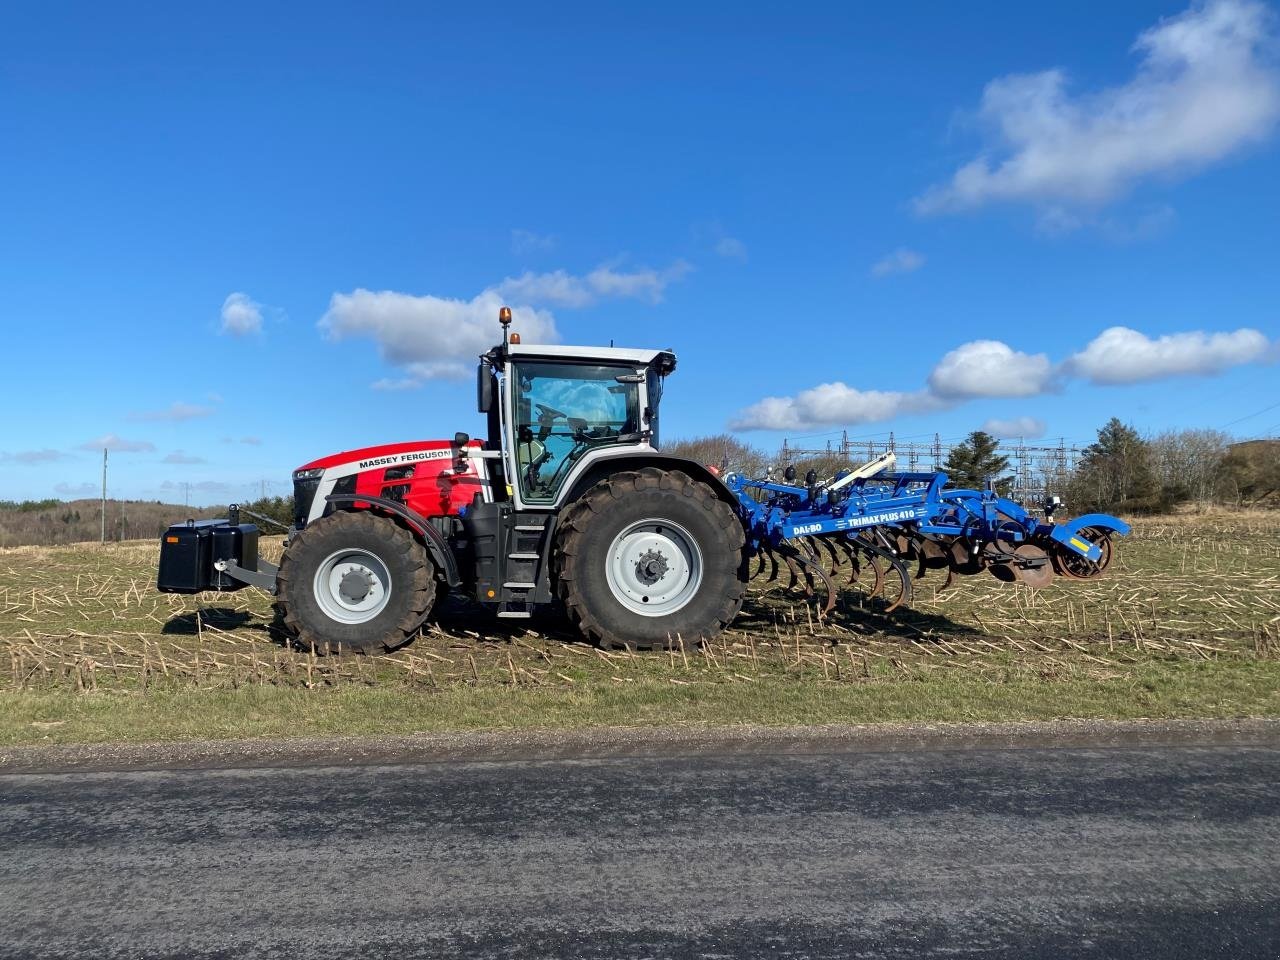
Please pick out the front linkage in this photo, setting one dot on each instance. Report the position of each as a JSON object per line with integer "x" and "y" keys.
{"x": 877, "y": 524}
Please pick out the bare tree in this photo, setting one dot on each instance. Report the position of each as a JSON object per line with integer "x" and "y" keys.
{"x": 723, "y": 451}
{"x": 1188, "y": 464}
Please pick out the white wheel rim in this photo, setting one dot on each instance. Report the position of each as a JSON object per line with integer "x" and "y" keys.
{"x": 654, "y": 567}
{"x": 352, "y": 586}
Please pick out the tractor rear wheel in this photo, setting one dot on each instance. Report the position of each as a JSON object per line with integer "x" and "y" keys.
{"x": 651, "y": 558}
{"x": 354, "y": 581}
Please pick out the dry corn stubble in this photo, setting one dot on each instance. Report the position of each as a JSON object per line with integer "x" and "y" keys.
{"x": 86, "y": 619}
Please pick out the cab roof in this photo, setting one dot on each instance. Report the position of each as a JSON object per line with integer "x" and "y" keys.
{"x": 637, "y": 356}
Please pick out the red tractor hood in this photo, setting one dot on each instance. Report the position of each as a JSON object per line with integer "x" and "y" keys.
{"x": 375, "y": 453}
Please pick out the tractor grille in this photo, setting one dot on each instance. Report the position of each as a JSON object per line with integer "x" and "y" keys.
{"x": 304, "y": 492}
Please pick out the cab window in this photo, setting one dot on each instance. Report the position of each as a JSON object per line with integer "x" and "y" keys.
{"x": 564, "y": 410}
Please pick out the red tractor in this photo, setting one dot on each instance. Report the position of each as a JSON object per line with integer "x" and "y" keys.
{"x": 568, "y": 499}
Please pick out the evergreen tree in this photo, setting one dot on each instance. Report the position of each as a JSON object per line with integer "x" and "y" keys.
{"x": 1116, "y": 473}
{"x": 971, "y": 463}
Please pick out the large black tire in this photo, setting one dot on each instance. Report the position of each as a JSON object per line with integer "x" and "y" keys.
{"x": 391, "y": 618}
{"x": 587, "y": 543}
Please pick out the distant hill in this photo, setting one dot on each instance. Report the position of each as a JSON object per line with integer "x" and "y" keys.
{"x": 48, "y": 522}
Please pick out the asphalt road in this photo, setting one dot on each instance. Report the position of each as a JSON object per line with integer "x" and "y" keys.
{"x": 1057, "y": 853}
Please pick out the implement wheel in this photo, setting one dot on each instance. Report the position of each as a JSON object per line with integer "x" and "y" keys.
{"x": 354, "y": 581}
{"x": 1075, "y": 567}
{"x": 649, "y": 557}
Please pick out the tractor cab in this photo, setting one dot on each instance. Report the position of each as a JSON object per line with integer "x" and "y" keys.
{"x": 553, "y": 411}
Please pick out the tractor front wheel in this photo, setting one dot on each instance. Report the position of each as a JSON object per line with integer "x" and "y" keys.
{"x": 354, "y": 581}
{"x": 650, "y": 558}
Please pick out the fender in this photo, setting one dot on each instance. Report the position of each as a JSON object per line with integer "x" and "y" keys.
{"x": 434, "y": 542}
{"x": 1066, "y": 533}
{"x": 646, "y": 458}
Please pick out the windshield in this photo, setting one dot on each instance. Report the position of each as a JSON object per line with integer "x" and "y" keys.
{"x": 565, "y": 409}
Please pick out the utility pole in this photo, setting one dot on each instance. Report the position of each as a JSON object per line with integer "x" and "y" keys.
{"x": 104, "y": 495}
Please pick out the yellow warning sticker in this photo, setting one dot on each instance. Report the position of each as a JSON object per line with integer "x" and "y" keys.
{"x": 1079, "y": 544}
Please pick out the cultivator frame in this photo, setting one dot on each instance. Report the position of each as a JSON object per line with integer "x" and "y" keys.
{"x": 876, "y": 523}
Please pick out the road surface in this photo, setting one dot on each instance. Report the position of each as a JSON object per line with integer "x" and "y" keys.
{"x": 1152, "y": 851}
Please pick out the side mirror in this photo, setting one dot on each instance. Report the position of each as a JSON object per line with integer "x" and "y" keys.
{"x": 484, "y": 388}
{"x": 460, "y": 441}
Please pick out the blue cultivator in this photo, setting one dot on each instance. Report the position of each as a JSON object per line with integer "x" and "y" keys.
{"x": 878, "y": 524}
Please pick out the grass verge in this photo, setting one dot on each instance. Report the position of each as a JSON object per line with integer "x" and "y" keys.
{"x": 1203, "y": 689}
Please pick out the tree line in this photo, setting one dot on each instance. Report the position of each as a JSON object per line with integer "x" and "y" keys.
{"x": 58, "y": 522}
{"x": 1121, "y": 471}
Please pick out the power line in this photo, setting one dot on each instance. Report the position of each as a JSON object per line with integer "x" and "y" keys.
{"x": 1249, "y": 416}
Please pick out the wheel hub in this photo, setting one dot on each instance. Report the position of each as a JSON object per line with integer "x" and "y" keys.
{"x": 651, "y": 567}
{"x": 654, "y": 567}
{"x": 355, "y": 585}
{"x": 352, "y": 586}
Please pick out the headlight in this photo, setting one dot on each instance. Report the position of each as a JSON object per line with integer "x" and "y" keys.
{"x": 312, "y": 474}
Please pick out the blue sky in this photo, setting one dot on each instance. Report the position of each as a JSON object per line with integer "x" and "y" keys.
{"x": 235, "y": 239}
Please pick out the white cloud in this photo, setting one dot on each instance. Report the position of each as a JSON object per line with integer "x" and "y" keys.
{"x": 831, "y": 403}
{"x": 178, "y": 456}
{"x": 526, "y": 241}
{"x": 33, "y": 456}
{"x": 177, "y": 412}
{"x": 252, "y": 441}
{"x": 1027, "y": 428}
{"x": 558, "y": 288}
{"x": 430, "y": 336}
{"x": 1120, "y": 355}
{"x": 989, "y": 368}
{"x": 118, "y": 444}
{"x": 1203, "y": 89}
{"x": 901, "y": 260}
{"x": 241, "y": 316}
{"x": 643, "y": 284}
{"x": 396, "y": 383}
{"x": 562, "y": 289}
{"x": 731, "y": 247}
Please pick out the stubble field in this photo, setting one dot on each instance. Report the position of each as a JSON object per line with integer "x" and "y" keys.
{"x": 1186, "y": 624}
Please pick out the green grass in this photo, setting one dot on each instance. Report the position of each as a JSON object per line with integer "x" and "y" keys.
{"x": 1186, "y": 625}
{"x": 1152, "y": 691}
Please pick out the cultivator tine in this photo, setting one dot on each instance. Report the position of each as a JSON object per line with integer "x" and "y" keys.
{"x": 773, "y": 566}
{"x": 890, "y": 529}
{"x": 950, "y": 581}
{"x": 829, "y": 546}
{"x": 766, "y": 564}
{"x": 848, "y": 557}
{"x": 886, "y": 571}
{"x": 811, "y": 557}
{"x": 813, "y": 567}
{"x": 877, "y": 575}
{"x": 793, "y": 568}
{"x": 900, "y": 570}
